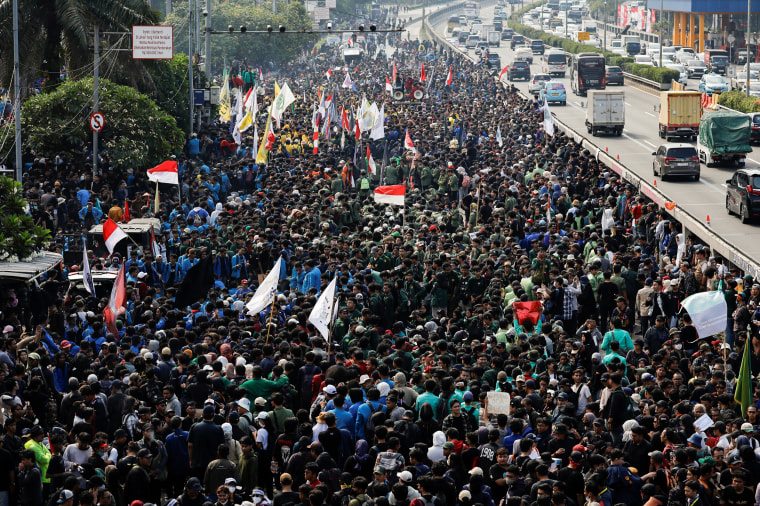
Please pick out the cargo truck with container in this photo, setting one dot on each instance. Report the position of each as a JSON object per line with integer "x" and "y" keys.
{"x": 605, "y": 112}
{"x": 484, "y": 29}
{"x": 494, "y": 38}
{"x": 632, "y": 44}
{"x": 680, "y": 112}
{"x": 724, "y": 138}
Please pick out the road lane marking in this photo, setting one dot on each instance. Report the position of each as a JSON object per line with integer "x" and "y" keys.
{"x": 649, "y": 113}
{"x": 653, "y": 145}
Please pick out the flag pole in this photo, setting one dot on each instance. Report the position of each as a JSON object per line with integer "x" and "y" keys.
{"x": 271, "y": 313}
{"x": 332, "y": 326}
{"x": 155, "y": 207}
{"x": 480, "y": 192}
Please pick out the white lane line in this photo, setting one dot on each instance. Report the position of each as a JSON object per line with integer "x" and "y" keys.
{"x": 653, "y": 145}
{"x": 751, "y": 160}
{"x": 629, "y": 105}
{"x": 649, "y": 113}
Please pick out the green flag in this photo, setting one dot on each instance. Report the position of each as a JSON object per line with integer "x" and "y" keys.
{"x": 743, "y": 390}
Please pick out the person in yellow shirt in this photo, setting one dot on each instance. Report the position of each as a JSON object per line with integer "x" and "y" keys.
{"x": 41, "y": 453}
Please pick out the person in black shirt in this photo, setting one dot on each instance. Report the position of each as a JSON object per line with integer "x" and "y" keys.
{"x": 738, "y": 494}
{"x": 287, "y": 497}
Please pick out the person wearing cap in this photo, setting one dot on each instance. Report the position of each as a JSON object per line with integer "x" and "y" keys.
{"x": 193, "y": 493}
{"x": 42, "y": 454}
{"x": 137, "y": 485}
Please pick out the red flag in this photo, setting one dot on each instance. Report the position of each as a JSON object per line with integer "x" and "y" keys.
{"x": 503, "y": 71}
{"x": 358, "y": 131}
{"x": 329, "y": 74}
{"x": 393, "y": 194}
{"x": 448, "y": 79}
{"x": 422, "y": 72}
{"x": 388, "y": 85}
{"x": 344, "y": 119}
{"x": 116, "y": 304}
{"x": 670, "y": 206}
{"x": 125, "y": 218}
{"x": 527, "y": 311}
{"x": 316, "y": 140}
{"x": 270, "y": 140}
{"x": 395, "y": 72}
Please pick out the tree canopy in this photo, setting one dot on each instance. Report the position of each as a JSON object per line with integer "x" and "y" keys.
{"x": 19, "y": 236}
{"x": 137, "y": 132}
{"x": 59, "y": 33}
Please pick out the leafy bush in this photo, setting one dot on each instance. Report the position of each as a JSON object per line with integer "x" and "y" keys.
{"x": 656, "y": 74}
{"x": 738, "y": 101}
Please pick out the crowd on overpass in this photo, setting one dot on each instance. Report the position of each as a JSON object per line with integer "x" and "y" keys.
{"x": 513, "y": 335}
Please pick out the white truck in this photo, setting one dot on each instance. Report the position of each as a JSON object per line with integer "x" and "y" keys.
{"x": 485, "y": 29}
{"x": 605, "y": 112}
{"x": 494, "y": 38}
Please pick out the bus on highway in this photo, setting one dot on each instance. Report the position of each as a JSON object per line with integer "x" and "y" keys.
{"x": 471, "y": 10}
{"x": 587, "y": 73}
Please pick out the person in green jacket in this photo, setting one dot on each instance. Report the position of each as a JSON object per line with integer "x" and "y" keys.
{"x": 336, "y": 183}
{"x": 41, "y": 453}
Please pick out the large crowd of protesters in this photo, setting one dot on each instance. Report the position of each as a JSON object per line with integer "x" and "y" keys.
{"x": 609, "y": 396}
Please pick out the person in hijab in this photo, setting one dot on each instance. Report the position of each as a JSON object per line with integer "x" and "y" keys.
{"x": 360, "y": 463}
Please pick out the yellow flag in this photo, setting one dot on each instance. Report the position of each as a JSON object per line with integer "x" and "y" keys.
{"x": 261, "y": 156}
{"x": 225, "y": 107}
{"x": 276, "y": 89}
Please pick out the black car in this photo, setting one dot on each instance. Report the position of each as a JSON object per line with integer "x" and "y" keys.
{"x": 507, "y": 34}
{"x": 537, "y": 46}
{"x": 493, "y": 61}
{"x": 743, "y": 194}
{"x": 755, "y": 118}
{"x": 518, "y": 70}
{"x": 517, "y": 40}
{"x": 614, "y": 75}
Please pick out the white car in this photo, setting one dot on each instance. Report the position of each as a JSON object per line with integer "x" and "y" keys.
{"x": 654, "y": 47}
{"x": 739, "y": 81}
{"x": 537, "y": 82}
{"x": 643, "y": 59}
{"x": 684, "y": 77}
{"x": 684, "y": 54}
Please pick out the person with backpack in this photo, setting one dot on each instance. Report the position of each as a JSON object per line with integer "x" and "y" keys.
{"x": 426, "y": 486}
{"x": 364, "y": 414}
{"x": 618, "y": 408}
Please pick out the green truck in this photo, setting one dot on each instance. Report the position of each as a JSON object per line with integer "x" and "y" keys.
{"x": 724, "y": 138}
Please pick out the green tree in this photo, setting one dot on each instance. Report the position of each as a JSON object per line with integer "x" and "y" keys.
{"x": 58, "y": 33}
{"x": 257, "y": 49}
{"x": 137, "y": 132}
{"x": 19, "y": 236}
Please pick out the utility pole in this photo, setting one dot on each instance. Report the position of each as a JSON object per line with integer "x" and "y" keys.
{"x": 17, "y": 98}
{"x": 746, "y": 44}
{"x": 274, "y": 6}
{"x": 95, "y": 98}
{"x": 190, "y": 64}
{"x": 168, "y": 7}
{"x": 606, "y": 22}
{"x": 207, "y": 60}
{"x": 662, "y": 18}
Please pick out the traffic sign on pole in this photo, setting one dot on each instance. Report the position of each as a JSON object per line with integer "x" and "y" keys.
{"x": 97, "y": 121}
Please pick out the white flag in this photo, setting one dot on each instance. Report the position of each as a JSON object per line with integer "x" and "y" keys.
{"x": 378, "y": 127}
{"x": 548, "y": 120}
{"x": 281, "y": 103}
{"x": 266, "y": 291}
{"x": 707, "y": 311}
{"x": 347, "y": 82}
{"x": 87, "y": 275}
{"x": 325, "y": 310}
{"x": 498, "y": 136}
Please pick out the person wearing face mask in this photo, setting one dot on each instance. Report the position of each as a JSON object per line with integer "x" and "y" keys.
{"x": 223, "y": 496}
{"x": 260, "y": 498}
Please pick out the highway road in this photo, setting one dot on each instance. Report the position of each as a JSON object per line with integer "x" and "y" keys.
{"x": 640, "y": 139}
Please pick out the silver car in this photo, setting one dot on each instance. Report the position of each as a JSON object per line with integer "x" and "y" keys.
{"x": 676, "y": 159}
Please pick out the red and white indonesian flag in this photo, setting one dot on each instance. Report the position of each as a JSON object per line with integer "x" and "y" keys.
{"x": 165, "y": 172}
{"x": 388, "y": 85}
{"x": 112, "y": 234}
{"x": 503, "y": 71}
{"x": 449, "y": 78}
{"x": 390, "y": 194}
{"x": 408, "y": 143}
{"x": 115, "y": 305}
{"x": 329, "y": 74}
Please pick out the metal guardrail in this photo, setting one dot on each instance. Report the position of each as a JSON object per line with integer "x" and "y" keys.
{"x": 644, "y": 84}
{"x": 645, "y": 36}
{"x": 692, "y": 223}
